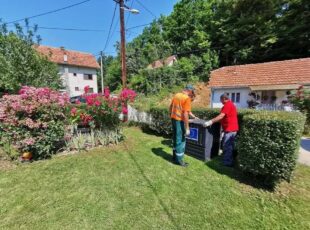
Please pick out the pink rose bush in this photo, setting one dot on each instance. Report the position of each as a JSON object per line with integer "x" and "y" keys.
{"x": 300, "y": 98}
{"x": 33, "y": 121}
{"x": 101, "y": 111}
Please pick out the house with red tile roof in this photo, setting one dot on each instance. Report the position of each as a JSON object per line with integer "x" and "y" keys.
{"x": 76, "y": 69}
{"x": 169, "y": 61}
{"x": 267, "y": 83}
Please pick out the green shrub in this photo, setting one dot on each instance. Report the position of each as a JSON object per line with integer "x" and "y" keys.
{"x": 268, "y": 144}
{"x": 161, "y": 122}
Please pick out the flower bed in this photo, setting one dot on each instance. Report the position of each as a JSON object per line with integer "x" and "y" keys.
{"x": 39, "y": 122}
{"x": 97, "y": 121}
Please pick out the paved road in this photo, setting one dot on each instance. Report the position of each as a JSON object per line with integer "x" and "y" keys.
{"x": 304, "y": 154}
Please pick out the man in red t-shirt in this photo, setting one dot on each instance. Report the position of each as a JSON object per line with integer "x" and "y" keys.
{"x": 229, "y": 121}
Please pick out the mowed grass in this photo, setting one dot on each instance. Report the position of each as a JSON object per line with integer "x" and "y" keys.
{"x": 135, "y": 186}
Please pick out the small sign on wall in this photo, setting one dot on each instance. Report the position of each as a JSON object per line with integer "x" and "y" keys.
{"x": 193, "y": 134}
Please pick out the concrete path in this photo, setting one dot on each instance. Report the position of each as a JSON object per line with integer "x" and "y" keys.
{"x": 304, "y": 154}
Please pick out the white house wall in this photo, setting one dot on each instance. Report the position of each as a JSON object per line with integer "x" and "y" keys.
{"x": 216, "y": 94}
{"x": 71, "y": 82}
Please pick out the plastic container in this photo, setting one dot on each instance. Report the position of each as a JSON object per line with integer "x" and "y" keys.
{"x": 203, "y": 142}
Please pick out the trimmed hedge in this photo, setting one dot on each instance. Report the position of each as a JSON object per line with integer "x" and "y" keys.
{"x": 268, "y": 144}
{"x": 161, "y": 122}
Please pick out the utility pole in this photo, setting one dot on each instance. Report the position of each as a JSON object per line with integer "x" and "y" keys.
{"x": 101, "y": 68}
{"x": 123, "y": 47}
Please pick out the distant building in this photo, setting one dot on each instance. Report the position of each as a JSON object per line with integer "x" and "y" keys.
{"x": 169, "y": 61}
{"x": 76, "y": 69}
{"x": 270, "y": 82}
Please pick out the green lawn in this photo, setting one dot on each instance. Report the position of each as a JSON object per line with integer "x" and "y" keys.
{"x": 134, "y": 186}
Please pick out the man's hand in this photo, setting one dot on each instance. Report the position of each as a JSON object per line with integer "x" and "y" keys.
{"x": 187, "y": 132}
{"x": 208, "y": 123}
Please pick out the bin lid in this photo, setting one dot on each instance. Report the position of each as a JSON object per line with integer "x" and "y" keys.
{"x": 197, "y": 121}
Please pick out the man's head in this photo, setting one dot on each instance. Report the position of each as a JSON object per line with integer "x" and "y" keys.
{"x": 224, "y": 98}
{"x": 189, "y": 90}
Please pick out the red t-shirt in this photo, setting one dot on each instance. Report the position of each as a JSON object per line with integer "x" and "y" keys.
{"x": 230, "y": 121}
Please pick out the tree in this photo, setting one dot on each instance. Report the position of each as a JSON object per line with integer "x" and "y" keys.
{"x": 293, "y": 30}
{"x": 21, "y": 65}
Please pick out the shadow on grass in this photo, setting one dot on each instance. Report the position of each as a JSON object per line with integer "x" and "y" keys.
{"x": 145, "y": 129}
{"x": 167, "y": 142}
{"x": 236, "y": 174}
{"x": 163, "y": 154}
{"x": 149, "y": 182}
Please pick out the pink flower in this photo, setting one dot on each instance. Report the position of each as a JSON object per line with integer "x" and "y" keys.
{"x": 97, "y": 103}
{"x": 29, "y": 141}
{"x": 73, "y": 111}
{"x": 124, "y": 110}
{"x": 86, "y": 89}
{"x": 106, "y": 92}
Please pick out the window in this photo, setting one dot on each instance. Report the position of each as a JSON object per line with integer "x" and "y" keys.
{"x": 91, "y": 90}
{"x": 77, "y": 89}
{"x": 238, "y": 97}
{"x": 74, "y": 74}
{"x": 88, "y": 77}
{"x": 235, "y": 97}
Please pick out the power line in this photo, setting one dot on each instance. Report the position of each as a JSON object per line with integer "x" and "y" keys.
{"x": 108, "y": 37}
{"x": 49, "y": 12}
{"x": 61, "y": 28}
{"x": 70, "y": 29}
{"x": 129, "y": 13}
{"x": 134, "y": 27}
{"x": 146, "y": 9}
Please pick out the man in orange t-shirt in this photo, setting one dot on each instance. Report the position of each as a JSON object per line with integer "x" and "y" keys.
{"x": 180, "y": 110}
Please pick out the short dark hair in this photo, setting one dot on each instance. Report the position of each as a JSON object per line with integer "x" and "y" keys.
{"x": 225, "y": 96}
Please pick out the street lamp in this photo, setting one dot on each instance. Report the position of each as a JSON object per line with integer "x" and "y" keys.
{"x": 134, "y": 11}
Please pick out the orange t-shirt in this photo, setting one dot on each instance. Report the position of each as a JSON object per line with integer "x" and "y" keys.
{"x": 180, "y": 103}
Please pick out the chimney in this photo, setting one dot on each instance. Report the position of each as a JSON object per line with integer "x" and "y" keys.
{"x": 65, "y": 55}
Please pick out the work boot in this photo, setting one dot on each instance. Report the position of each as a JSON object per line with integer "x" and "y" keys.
{"x": 183, "y": 164}
{"x": 174, "y": 156}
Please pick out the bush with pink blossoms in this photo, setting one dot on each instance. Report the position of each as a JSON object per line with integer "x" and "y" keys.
{"x": 300, "y": 98}
{"x": 34, "y": 121}
{"x": 101, "y": 111}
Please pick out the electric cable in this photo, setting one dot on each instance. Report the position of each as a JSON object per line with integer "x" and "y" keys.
{"x": 48, "y": 12}
{"x": 108, "y": 37}
{"x": 146, "y": 9}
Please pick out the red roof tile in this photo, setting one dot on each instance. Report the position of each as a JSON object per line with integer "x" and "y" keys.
{"x": 74, "y": 58}
{"x": 296, "y": 71}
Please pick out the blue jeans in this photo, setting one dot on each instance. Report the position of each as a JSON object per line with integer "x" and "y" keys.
{"x": 228, "y": 143}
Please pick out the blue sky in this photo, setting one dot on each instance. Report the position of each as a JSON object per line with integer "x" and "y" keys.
{"x": 93, "y": 15}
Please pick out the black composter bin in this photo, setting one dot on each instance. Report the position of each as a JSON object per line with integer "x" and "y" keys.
{"x": 203, "y": 142}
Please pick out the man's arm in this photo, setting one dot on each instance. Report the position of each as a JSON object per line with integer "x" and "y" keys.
{"x": 192, "y": 115}
{"x": 186, "y": 118}
{"x": 216, "y": 119}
